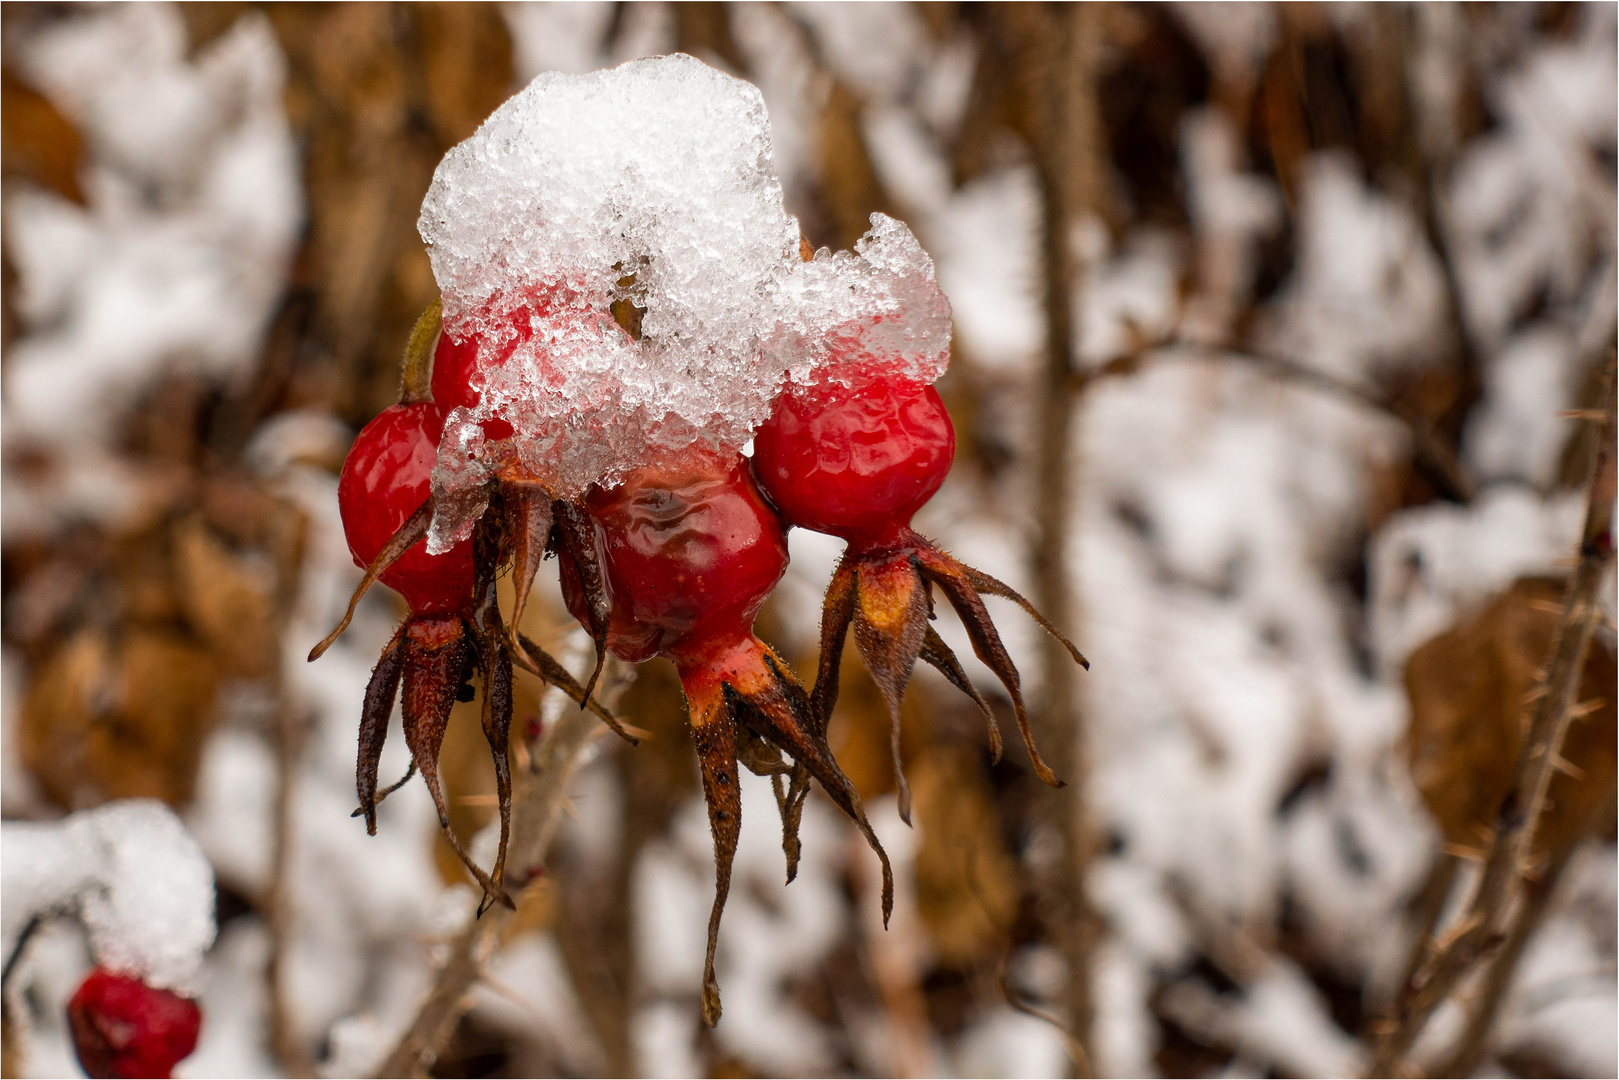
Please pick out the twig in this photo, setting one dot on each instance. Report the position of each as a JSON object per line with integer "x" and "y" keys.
{"x": 1486, "y": 920}
{"x": 1434, "y": 457}
{"x": 1425, "y": 910}
{"x": 1475, "y": 1041}
{"x": 1069, "y": 163}
{"x": 536, "y": 809}
{"x": 289, "y": 1048}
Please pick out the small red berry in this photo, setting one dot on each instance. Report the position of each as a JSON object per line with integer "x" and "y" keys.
{"x": 454, "y": 364}
{"x": 124, "y": 1028}
{"x": 690, "y": 552}
{"x": 855, "y": 462}
{"x": 386, "y": 477}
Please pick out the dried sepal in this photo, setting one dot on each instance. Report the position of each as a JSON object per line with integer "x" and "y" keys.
{"x": 436, "y": 653}
{"x": 380, "y": 693}
{"x": 885, "y": 595}
{"x": 404, "y": 538}
{"x": 714, "y": 733}
{"x": 890, "y": 623}
{"x": 577, "y": 537}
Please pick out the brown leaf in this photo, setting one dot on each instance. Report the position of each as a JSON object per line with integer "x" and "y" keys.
{"x": 107, "y": 720}
{"x": 1470, "y": 690}
{"x": 229, "y": 598}
{"x": 38, "y": 143}
{"x": 967, "y": 884}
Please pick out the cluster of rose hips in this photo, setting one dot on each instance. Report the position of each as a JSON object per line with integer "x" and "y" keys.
{"x": 675, "y": 560}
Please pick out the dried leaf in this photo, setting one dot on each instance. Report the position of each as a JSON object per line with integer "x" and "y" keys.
{"x": 228, "y": 598}
{"x": 110, "y": 721}
{"x": 967, "y": 883}
{"x": 1470, "y": 690}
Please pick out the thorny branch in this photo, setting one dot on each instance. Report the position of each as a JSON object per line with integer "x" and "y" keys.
{"x": 537, "y": 806}
{"x": 1486, "y": 923}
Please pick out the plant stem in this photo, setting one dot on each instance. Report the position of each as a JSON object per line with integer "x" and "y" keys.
{"x": 1068, "y": 161}
{"x": 1485, "y": 925}
{"x": 291, "y": 727}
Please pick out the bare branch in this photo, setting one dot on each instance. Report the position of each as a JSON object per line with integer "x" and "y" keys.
{"x": 536, "y": 810}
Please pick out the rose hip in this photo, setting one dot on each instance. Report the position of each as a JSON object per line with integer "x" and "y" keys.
{"x": 125, "y": 1028}
{"x": 690, "y": 551}
{"x": 855, "y": 465}
{"x": 386, "y": 478}
{"x": 855, "y": 456}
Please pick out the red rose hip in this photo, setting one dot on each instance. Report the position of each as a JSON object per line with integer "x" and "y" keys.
{"x": 690, "y": 550}
{"x": 386, "y": 478}
{"x": 125, "y": 1028}
{"x": 855, "y": 463}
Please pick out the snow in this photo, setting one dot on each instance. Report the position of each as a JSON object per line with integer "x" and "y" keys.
{"x": 540, "y": 223}
{"x": 133, "y": 876}
{"x": 194, "y": 207}
{"x": 657, "y": 174}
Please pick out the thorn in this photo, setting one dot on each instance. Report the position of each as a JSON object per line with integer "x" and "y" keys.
{"x": 1461, "y": 851}
{"x": 1563, "y": 765}
{"x": 1586, "y": 708}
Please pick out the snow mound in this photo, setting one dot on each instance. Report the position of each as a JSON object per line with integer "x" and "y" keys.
{"x": 616, "y": 246}
{"x": 876, "y": 310}
{"x": 134, "y": 876}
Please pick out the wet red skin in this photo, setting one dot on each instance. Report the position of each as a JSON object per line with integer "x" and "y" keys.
{"x": 124, "y": 1028}
{"x": 690, "y": 553}
{"x": 855, "y": 462}
{"x": 386, "y": 476}
{"x": 453, "y": 366}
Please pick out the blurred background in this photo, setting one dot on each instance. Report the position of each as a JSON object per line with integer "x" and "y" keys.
{"x": 1266, "y": 319}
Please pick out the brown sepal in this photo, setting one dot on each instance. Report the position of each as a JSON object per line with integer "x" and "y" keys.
{"x": 578, "y": 538}
{"x": 890, "y": 622}
{"x": 528, "y": 527}
{"x": 937, "y": 653}
{"x": 714, "y": 733}
{"x": 954, "y": 579}
{"x": 404, "y": 538}
{"x": 780, "y": 712}
{"x": 380, "y": 693}
{"x": 536, "y": 661}
{"x": 435, "y": 655}
{"x": 837, "y": 611}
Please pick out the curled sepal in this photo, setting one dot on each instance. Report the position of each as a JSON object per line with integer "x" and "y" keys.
{"x": 769, "y": 699}
{"x": 790, "y": 804}
{"x": 528, "y": 528}
{"x": 836, "y": 613}
{"x": 943, "y": 659}
{"x": 404, "y": 538}
{"x": 380, "y": 693}
{"x": 958, "y": 587}
{"x": 497, "y": 728}
{"x": 435, "y": 657}
{"x": 884, "y": 593}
